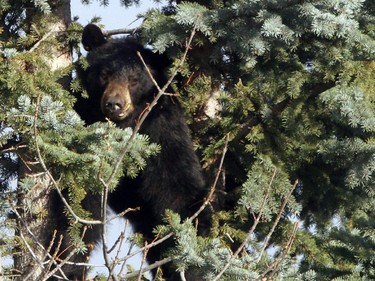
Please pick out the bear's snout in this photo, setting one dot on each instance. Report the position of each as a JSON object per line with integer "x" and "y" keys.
{"x": 116, "y": 103}
{"x": 113, "y": 104}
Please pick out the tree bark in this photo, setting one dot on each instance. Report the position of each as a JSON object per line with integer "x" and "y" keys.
{"x": 35, "y": 225}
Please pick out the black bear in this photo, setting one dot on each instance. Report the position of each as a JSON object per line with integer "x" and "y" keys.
{"x": 120, "y": 88}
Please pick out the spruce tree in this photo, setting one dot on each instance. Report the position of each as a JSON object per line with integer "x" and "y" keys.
{"x": 279, "y": 98}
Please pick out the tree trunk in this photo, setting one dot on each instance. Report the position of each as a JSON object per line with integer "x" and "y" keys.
{"x": 35, "y": 225}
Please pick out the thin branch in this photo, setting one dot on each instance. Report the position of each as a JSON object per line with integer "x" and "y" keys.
{"x": 34, "y": 239}
{"x": 45, "y": 37}
{"x": 119, "y": 242}
{"x": 235, "y": 254}
{"x": 119, "y": 31}
{"x": 64, "y": 261}
{"x": 213, "y": 187}
{"x": 272, "y": 269}
{"x": 44, "y": 166}
{"x": 148, "y": 246}
{"x": 276, "y": 222}
{"x": 150, "y": 106}
{"x": 54, "y": 256}
{"x": 148, "y": 268}
{"x": 104, "y": 201}
{"x": 142, "y": 263}
{"x": 123, "y": 213}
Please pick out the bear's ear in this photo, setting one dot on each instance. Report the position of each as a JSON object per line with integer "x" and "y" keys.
{"x": 92, "y": 37}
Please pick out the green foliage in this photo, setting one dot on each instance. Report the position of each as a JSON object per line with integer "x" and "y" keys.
{"x": 294, "y": 81}
{"x": 295, "y": 84}
{"x": 40, "y": 126}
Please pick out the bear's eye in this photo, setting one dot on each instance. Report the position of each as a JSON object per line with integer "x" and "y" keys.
{"x": 133, "y": 80}
{"x": 104, "y": 76}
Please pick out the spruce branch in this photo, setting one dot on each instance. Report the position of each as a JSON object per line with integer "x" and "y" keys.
{"x": 208, "y": 200}
{"x": 276, "y": 222}
{"x": 272, "y": 269}
{"x": 246, "y": 240}
{"x": 50, "y": 176}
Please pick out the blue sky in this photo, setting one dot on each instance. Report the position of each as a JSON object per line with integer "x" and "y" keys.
{"x": 113, "y": 16}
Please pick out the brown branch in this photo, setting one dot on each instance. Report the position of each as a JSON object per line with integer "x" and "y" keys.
{"x": 244, "y": 243}
{"x": 150, "y": 106}
{"x": 64, "y": 261}
{"x": 276, "y": 222}
{"x": 142, "y": 263}
{"x": 272, "y": 269}
{"x": 54, "y": 255}
{"x": 119, "y": 31}
{"x": 123, "y": 213}
{"x": 148, "y": 268}
{"x": 213, "y": 187}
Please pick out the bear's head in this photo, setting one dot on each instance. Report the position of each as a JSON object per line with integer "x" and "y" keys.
{"x": 116, "y": 78}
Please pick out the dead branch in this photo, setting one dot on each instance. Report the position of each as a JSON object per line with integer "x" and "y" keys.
{"x": 64, "y": 261}
{"x": 276, "y": 222}
{"x": 257, "y": 219}
{"x": 148, "y": 268}
{"x": 150, "y": 106}
{"x": 272, "y": 269}
{"x": 119, "y": 31}
{"x": 213, "y": 187}
{"x": 142, "y": 262}
{"x": 34, "y": 239}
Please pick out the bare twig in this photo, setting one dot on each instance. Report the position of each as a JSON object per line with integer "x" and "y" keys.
{"x": 257, "y": 219}
{"x": 34, "y": 239}
{"x": 64, "y": 261}
{"x": 54, "y": 255}
{"x": 276, "y": 222}
{"x": 108, "y": 263}
{"x": 148, "y": 268}
{"x": 123, "y": 213}
{"x": 150, "y": 106}
{"x": 148, "y": 246}
{"x": 272, "y": 269}
{"x": 119, "y": 31}
{"x": 120, "y": 241}
{"x": 142, "y": 263}
{"x": 213, "y": 187}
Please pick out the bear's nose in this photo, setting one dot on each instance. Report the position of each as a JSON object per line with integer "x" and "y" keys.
{"x": 113, "y": 104}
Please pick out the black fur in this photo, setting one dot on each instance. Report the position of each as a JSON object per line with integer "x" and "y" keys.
{"x": 172, "y": 179}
